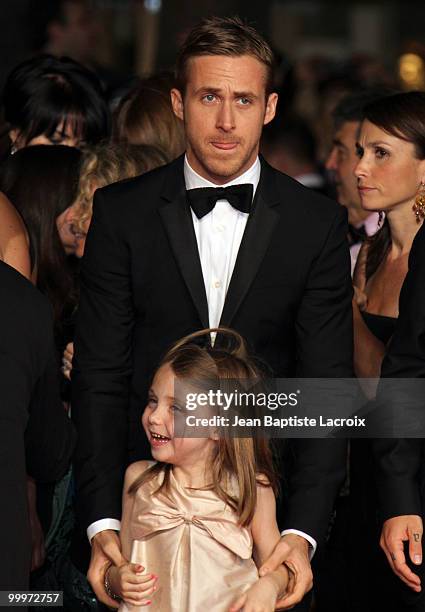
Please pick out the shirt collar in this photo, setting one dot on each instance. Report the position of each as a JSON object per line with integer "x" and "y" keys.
{"x": 371, "y": 224}
{"x": 312, "y": 179}
{"x": 193, "y": 180}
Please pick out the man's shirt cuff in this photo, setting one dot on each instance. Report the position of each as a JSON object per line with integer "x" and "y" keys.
{"x": 310, "y": 540}
{"x": 102, "y": 525}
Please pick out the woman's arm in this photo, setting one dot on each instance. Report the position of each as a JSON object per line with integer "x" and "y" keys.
{"x": 14, "y": 243}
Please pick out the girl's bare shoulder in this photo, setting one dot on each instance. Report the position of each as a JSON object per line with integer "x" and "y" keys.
{"x": 135, "y": 470}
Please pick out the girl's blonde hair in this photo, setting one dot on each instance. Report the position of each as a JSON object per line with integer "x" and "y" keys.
{"x": 106, "y": 164}
{"x": 249, "y": 460}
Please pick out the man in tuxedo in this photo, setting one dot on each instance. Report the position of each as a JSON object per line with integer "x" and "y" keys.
{"x": 215, "y": 237}
{"x": 36, "y": 436}
{"x": 342, "y": 160}
{"x": 400, "y": 462}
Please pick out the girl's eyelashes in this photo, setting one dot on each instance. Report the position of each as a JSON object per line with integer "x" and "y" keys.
{"x": 359, "y": 151}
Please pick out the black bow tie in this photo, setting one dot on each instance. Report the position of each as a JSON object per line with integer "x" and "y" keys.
{"x": 356, "y": 234}
{"x": 203, "y": 200}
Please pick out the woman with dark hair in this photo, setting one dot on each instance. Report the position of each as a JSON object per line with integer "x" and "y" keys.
{"x": 42, "y": 183}
{"x": 391, "y": 181}
{"x": 54, "y": 101}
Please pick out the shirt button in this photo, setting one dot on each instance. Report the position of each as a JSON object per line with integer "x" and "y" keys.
{"x": 220, "y": 228}
{"x": 217, "y": 284}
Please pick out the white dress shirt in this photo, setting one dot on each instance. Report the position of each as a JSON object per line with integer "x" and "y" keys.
{"x": 371, "y": 225}
{"x": 219, "y": 235}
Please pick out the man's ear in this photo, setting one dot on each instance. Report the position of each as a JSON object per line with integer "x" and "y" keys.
{"x": 270, "y": 108}
{"x": 177, "y": 103}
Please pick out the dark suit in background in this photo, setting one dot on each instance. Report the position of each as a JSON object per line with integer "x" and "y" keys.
{"x": 401, "y": 462}
{"x": 36, "y": 436}
{"x": 142, "y": 289}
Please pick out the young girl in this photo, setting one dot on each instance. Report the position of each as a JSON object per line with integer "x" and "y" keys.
{"x": 199, "y": 517}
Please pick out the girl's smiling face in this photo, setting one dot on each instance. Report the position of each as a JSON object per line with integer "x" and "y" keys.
{"x": 158, "y": 423}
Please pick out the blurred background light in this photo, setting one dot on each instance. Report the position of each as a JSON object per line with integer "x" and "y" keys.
{"x": 411, "y": 71}
{"x": 153, "y": 6}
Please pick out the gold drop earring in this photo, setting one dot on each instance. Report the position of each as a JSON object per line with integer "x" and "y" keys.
{"x": 419, "y": 205}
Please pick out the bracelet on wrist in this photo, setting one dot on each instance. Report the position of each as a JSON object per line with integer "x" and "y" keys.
{"x": 107, "y": 585}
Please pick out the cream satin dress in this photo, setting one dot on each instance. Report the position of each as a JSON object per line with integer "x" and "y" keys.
{"x": 192, "y": 541}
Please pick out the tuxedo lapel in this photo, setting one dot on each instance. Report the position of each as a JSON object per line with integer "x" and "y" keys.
{"x": 176, "y": 217}
{"x": 258, "y": 232}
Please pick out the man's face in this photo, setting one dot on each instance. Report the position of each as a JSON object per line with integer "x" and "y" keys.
{"x": 78, "y": 36}
{"x": 224, "y": 108}
{"x": 342, "y": 160}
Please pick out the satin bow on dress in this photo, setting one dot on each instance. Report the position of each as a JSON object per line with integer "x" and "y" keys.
{"x": 191, "y": 539}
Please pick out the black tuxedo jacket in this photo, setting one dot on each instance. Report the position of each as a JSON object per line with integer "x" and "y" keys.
{"x": 142, "y": 289}
{"x": 400, "y": 462}
{"x": 36, "y": 436}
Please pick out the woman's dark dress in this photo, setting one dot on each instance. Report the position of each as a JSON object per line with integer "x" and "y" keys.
{"x": 351, "y": 572}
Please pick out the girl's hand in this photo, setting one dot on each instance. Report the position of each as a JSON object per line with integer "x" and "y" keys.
{"x": 261, "y": 597}
{"x": 131, "y": 584}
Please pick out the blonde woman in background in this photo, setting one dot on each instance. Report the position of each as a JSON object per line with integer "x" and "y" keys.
{"x": 101, "y": 166}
